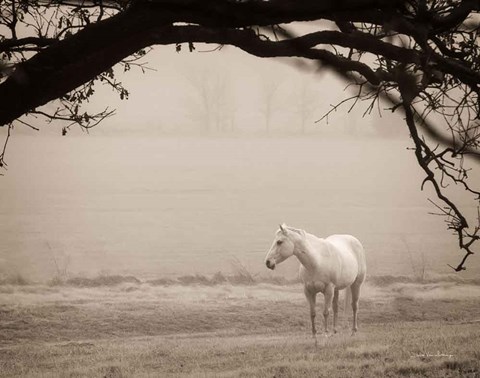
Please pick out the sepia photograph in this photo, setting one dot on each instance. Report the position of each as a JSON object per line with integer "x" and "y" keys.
{"x": 239, "y": 188}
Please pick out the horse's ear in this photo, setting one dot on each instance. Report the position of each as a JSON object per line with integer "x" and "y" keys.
{"x": 283, "y": 228}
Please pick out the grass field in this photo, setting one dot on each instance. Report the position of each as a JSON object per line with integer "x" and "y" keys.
{"x": 128, "y": 328}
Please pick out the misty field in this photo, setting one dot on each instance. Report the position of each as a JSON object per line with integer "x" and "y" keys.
{"x": 199, "y": 326}
{"x": 182, "y": 206}
{"x": 76, "y": 232}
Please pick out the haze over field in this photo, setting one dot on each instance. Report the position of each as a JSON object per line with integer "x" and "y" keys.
{"x": 181, "y": 205}
{"x": 164, "y": 189}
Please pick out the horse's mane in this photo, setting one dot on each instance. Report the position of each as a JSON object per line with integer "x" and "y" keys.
{"x": 297, "y": 230}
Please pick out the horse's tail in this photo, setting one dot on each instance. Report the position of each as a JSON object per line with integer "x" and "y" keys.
{"x": 348, "y": 299}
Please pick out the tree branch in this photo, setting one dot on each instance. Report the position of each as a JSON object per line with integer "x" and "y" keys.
{"x": 9, "y": 44}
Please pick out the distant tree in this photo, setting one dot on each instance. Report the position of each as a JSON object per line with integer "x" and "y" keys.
{"x": 307, "y": 102}
{"x": 214, "y": 99}
{"x": 420, "y": 57}
{"x": 267, "y": 106}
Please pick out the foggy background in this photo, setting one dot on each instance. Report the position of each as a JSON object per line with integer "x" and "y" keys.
{"x": 197, "y": 169}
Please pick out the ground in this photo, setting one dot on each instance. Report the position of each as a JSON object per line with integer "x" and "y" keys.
{"x": 152, "y": 329}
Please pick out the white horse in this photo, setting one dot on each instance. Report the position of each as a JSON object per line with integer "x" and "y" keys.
{"x": 326, "y": 266}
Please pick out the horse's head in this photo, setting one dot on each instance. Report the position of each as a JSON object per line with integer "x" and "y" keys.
{"x": 283, "y": 246}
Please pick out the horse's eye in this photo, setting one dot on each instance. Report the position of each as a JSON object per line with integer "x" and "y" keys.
{"x": 279, "y": 242}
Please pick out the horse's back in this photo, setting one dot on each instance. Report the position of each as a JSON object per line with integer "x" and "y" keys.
{"x": 351, "y": 253}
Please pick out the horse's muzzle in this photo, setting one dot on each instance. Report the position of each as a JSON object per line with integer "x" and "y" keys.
{"x": 270, "y": 265}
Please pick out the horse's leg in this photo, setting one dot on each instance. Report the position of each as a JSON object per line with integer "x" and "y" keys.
{"x": 335, "y": 309}
{"x": 328, "y": 294}
{"x": 312, "y": 299}
{"x": 355, "y": 287}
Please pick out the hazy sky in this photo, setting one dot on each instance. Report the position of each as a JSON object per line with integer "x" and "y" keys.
{"x": 168, "y": 98}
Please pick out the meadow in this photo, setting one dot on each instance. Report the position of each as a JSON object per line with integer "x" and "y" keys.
{"x": 198, "y": 326}
{"x": 108, "y": 262}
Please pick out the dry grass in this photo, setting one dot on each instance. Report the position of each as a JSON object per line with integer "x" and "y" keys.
{"x": 240, "y": 276}
{"x": 135, "y": 329}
